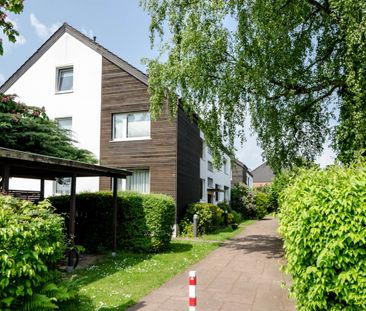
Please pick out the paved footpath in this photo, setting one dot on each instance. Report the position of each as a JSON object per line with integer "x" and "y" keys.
{"x": 241, "y": 275}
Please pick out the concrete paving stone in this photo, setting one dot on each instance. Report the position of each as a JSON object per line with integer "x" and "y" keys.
{"x": 232, "y": 306}
{"x": 241, "y": 275}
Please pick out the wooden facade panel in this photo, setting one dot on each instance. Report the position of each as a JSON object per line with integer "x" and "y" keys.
{"x": 188, "y": 164}
{"x": 122, "y": 93}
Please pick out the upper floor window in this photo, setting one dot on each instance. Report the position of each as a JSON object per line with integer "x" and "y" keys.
{"x": 209, "y": 182}
{"x": 65, "y": 124}
{"x": 65, "y": 79}
{"x": 131, "y": 126}
{"x": 210, "y": 166}
{"x": 226, "y": 170}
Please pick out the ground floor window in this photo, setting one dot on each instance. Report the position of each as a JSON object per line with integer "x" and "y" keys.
{"x": 63, "y": 186}
{"x": 226, "y": 194}
{"x": 139, "y": 181}
{"x": 203, "y": 186}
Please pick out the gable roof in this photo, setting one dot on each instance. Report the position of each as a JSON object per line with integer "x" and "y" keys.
{"x": 263, "y": 173}
{"x": 66, "y": 28}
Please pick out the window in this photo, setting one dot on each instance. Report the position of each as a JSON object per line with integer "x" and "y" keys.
{"x": 209, "y": 150}
{"x": 65, "y": 79}
{"x": 65, "y": 124}
{"x": 209, "y": 166}
{"x": 217, "y": 193}
{"x": 131, "y": 126}
{"x": 203, "y": 150}
{"x": 139, "y": 181}
{"x": 226, "y": 194}
{"x": 210, "y": 183}
{"x": 203, "y": 185}
{"x": 225, "y": 167}
{"x": 63, "y": 185}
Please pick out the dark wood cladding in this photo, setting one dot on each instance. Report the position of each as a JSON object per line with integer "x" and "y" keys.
{"x": 239, "y": 174}
{"x": 122, "y": 93}
{"x": 188, "y": 164}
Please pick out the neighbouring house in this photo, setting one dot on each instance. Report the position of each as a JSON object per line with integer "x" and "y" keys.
{"x": 262, "y": 175}
{"x": 104, "y": 101}
{"x": 241, "y": 174}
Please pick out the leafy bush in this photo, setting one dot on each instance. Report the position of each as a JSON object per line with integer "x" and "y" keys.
{"x": 210, "y": 216}
{"x": 32, "y": 242}
{"x": 144, "y": 220}
{"x": 261, "y": 205}
{"x": 239, "y": 198}
{"x": 322, "y": 217}
{"x": 236, "y": 217}
{"x": 250, "y": 203}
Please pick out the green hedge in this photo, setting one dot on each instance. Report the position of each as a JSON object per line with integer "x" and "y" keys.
{"x": 144, "y": 221}
{"x": 323, "y": 223}
{"x": 32, "y": 242}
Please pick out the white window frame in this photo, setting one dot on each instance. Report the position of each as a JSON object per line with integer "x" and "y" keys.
{"x": 125, "y": 127}
{"x": 57, "y": 86}
{"x": 225, "y": 167}
{"x": 122, "y": 185}
{"x": 209, "y": 166}
{"x": 70, "y": 133}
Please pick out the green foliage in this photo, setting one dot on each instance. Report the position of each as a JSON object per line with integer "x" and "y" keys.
{"x": 322, "y": 221}
{"x": 28, "y": 128}
{"x": 144, "y": 221}
{"x": 32, "y": 242}
{"x": 210, "y": 216}
{"x": 239, "y": 197}
{"x": 237, "y": 218}
{"x": 289, "y": 64}
{"x": 7, "y": 26}
{"x": 261, "y": 204}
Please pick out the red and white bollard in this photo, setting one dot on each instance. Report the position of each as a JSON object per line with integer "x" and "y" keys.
{"x": 192, "y": 291}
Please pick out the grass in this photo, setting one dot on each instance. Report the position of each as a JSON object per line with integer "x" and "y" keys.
{"x": 120, "y": 282}
{"x": 223, "y": 234}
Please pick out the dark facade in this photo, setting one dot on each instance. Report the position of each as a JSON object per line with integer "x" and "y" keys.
{"x": 240, "y": 173}
{"x": 172, "y": 155}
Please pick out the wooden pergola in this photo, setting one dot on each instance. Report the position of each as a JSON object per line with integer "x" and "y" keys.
{"x": 14, "y": 163}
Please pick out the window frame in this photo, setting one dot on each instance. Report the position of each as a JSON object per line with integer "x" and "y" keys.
{"x": 57, "y": 84}
{"x": 125, "y": 137}
{"x": 210, "y": 166}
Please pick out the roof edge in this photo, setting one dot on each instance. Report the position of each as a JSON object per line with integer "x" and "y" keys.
{"x": 66, "y": 28}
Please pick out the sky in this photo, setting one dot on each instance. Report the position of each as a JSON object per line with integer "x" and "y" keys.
{"x": 121, "y": 26}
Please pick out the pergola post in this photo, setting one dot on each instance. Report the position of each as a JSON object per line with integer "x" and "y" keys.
{"x": 5, "y": 179}
{"x": 41, "y": 196}
{"x": 70, "y": 266}
{"x": 114, "y": 207}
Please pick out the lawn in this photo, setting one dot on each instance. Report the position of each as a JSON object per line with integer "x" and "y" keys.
{"x": 120, "y": 282}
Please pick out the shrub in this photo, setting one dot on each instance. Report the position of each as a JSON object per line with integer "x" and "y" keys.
{"x": 261, "y": 204}
{"x": 239, "y": 198}
{"x": 144, "y": 220}
{"x": 32, "y": 242}
{"x": 236, "y": 217}
{"x": 205, "y": 216}
{"x": 322, "y": 217}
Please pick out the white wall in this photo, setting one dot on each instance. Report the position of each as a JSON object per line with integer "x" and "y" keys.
{"x": 218, "y": 175}
{"x": 37, "y": 87}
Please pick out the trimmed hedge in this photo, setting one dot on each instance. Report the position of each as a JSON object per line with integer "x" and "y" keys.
{"x": 323, "y": 223}
{"x": 144, "y": 220}
{"x": 32, "y": 242}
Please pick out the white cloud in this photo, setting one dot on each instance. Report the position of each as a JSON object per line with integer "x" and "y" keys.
{"x": 43, "y": 31}
{"x": 89, "y": 33}
{"x": 20, "y": 40}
